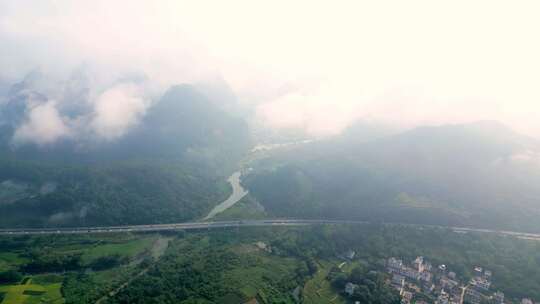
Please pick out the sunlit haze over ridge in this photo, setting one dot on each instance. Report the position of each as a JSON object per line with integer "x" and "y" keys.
{"x": 317, "y": 65}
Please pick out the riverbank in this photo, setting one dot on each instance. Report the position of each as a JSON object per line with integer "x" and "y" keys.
{"x": 238, "y": 192}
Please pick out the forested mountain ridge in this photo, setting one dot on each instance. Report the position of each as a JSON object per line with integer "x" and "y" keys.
{"x": 170, "y": 167}
{"x": 481, "y": 174}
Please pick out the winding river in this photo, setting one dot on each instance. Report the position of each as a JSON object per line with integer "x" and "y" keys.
{"x": 237, "y": 194}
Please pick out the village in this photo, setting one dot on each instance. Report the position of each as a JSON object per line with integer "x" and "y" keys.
{"x": 421, "y": 279}
{"x": 420, "y": 282}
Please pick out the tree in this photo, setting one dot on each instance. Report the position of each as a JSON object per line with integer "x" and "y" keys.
{"x": 10, "y": 277}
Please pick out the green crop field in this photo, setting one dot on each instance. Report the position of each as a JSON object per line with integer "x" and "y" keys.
{"x": 31, "y": 293}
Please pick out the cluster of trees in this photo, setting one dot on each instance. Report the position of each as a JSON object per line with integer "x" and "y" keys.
{"x": 198, "y": 270}
{"x": 52, "y": 263}
{"x": 173, "y": 280}
{"x": 107, "y": 262}
{"x": 9, "y": 244}
{"x": 118, "y": 193}
{"x": 371, "y": 287}
{"x": 10, "y": 277}
{"x": 85, "y": 288}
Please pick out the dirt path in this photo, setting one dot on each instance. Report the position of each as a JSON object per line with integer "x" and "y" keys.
{"x": 158, "y": 249}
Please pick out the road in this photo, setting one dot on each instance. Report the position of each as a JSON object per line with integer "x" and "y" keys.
{"x": 167, "y": 227}
{"x": 234, "y": 224}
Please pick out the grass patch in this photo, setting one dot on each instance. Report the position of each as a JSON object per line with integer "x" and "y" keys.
{"x": 18, "y": 294}
{"x": 128, "y": 249}
{"x": 318, "y": 289}
{"x": 52, "y": 295}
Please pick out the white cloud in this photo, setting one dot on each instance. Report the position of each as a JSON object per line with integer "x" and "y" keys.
{"x": 116, "y": 110}
{"x": 527, "y": 157}
{"x": 44, "y": 125}
{"x": 412, "y": 62}
{"x": 110, "y": 115}
{"x": 321, "y": 112}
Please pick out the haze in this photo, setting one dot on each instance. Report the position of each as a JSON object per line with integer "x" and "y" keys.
{"x": 278, "y": 151}
{"x": 303, "y": 64}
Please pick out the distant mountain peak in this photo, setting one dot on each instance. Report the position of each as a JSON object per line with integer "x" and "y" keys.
{"x": 492, "y": 124}
{"x": 483, "y": 128}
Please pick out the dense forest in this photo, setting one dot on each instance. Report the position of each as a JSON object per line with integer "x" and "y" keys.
{"x": 170, "y": 167}
{"x": 121, "y": 193}
{"x": 461, "y": 175}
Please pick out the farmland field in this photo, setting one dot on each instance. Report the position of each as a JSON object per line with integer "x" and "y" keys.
{"x": 48, "y": 262}
{"x": 30, "y": 293}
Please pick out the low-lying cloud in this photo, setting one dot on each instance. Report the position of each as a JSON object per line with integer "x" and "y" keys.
{"x": 302, "y": 64}
{"x": 101, "y": 116}
{"x": 116, "y": 110}
{"x": 527, "y": 157}
{"x": 43, "y": 125}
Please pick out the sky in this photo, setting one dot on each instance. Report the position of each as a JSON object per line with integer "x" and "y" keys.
{"x": 316, "y": 65}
